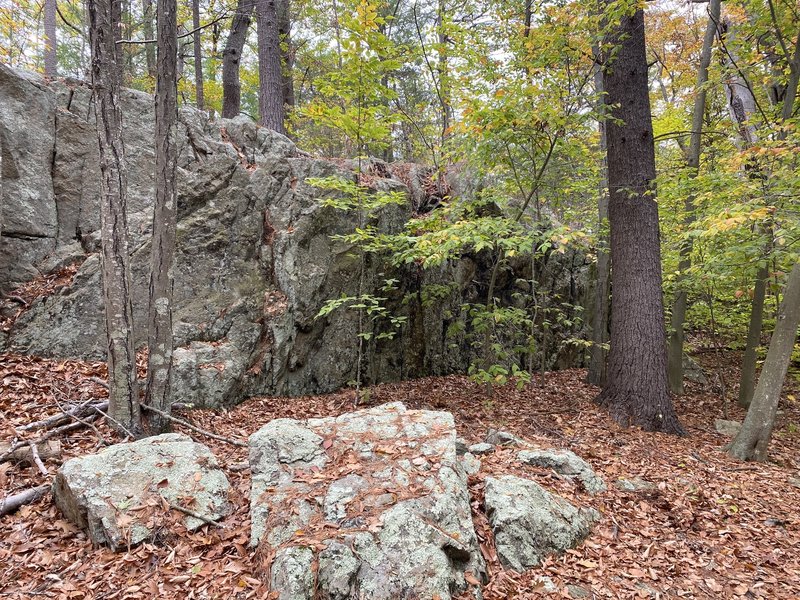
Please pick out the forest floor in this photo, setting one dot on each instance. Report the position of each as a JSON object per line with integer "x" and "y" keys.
{"x": 712, "y": 527}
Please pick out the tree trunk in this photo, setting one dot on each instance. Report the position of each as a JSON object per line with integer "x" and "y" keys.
{"x": 753, "y": 439}
{"x": 287, "y": 55}
{"x": 159, "y": 364}
{"x": 147, "y": 28}
{"x": 231, "y": 88}
{"x": 676, "y": 338}
{"x": 271, "y": 111}
{"x": 122, "y": 389}
{"x": 50, "y": 56}
{"x": 637, "y": 390}
{"x": 444, "y": 74}
{"x": 198, "y": 56}
{"x": 747, "y": 382}
{"x": 599, "y": 354}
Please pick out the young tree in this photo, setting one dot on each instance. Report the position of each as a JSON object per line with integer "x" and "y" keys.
{"x": 231, "y": 88}
{"x": 159, "y": 364}
{"x": 147, "y": 29}
{"x": 271, "y": 111}
{"x": 753, "y": 439}
{"x": 198, "y": 56}
{"x": 636, "y": 391}
{"x": 287, "y": 60}
{"x": 50, "y": 57}
{"x": 676, "y": 337}
{"x": 123, "y": 392}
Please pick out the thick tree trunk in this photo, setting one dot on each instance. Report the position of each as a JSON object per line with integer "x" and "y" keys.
{"x": 159, "y": 365}
{"x": 287, "y": 55}
{"x": 600, "y": 316}
{"x": 753, "y": 439}
{"x": 231, "y": 88}
{"x": 676, "y": 338}
{"x": 147, "y": 28}
{"x": 198, "y": 56}
{"x": 122, "y": 389}
{"x": 271, "y": 111}
{"x": 50, "y": 56}
{"x": 637, "y": 390}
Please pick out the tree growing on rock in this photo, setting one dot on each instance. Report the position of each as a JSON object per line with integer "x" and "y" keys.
{"x": 231, "y": 57}
{"x": 115, "y": 257}
{"x": 636, "y": 391}
{"x": 271, "y": 111}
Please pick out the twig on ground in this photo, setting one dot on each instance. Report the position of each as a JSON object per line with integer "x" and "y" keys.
{"x": 194, "y": 428}
{"x": 7, "y": 455}
{"x": 11, "y": 503}
{"x": 38, "y": 459}
{"x": 64, "y": 417}
{"x": 191, "y": 513}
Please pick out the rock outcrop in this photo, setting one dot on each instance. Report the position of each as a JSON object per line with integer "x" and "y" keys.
{"x": 377, "y": 497}
{"x": 118, "y": 495}
{"x": 567, "y": 463}
{"x": 256, "y": 257}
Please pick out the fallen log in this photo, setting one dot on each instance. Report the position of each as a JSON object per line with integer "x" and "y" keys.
{"x": 82, "y": 410}
{"x": 4, "y": 456}
{"x": 11, "y": 503}
{"x": 24, "y": 454}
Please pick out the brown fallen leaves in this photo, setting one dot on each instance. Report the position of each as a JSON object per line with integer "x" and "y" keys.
{"x": 709, "y": 528}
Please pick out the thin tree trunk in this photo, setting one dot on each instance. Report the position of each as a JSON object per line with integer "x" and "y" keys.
{"x": 159, "y": 364}
{"x": 271, "y": 111}
{"x": 50, "y": 56}
{"x": 198, "y": 56}
{"x": 676, "y": 337}
{"x": 444, "y": 74}
{"x": 637, "y": 390}
{"x": 231, "y": 87}
{"x": 600, "y": 337}
{"x": 122, "y": 389}
{"x": 287, "y": 55}
{"x": 753, "y": 439}
{"x": 147, "y": 28}
{"x": 747, "y": 381}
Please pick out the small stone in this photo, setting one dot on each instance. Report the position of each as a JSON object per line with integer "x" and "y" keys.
{"x": 503, "y": 438}
{"x": 727, "y": 428}
{"x": 567, "y": 463}
{"x": 634, "y": 485}
{"x": 462, "y": 447}
{"x": 576, "y": 591}
{"x": 481, "y": 449}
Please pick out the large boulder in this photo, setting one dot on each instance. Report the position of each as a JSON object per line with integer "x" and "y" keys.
{"x": 118, "y": 495}
{"x": 530, "y": 523}
{"x": 377, "y": 498}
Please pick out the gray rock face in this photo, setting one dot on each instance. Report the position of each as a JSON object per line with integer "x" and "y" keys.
{"x": 255, "y": 259}
{"x": 567, "y": 463}
{"x": 116, "y": 494}
{"x": 381, "y": 491}
{"x": 530, "y": 523}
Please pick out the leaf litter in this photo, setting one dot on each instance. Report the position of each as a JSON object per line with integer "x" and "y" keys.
{"x": 708, "y": 526}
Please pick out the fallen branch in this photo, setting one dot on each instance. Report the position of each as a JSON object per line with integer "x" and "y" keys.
{"x": 11, "y": 503}
{"x": 86, "y": 408}
{"x": 8, "y": 454}
{"x": 191, "y": 513}
{"x": 194, "y": 428}
{"x": 51, "y": 449}
{"x": 37, "y": 459}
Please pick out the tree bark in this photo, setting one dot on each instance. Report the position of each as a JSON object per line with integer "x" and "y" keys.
{"x": 747, "y": 381}
{"x": 271, "y": 111}
{"x": 600, "y": 317}
{"x": 637, "y": 390}
{"x": 123, "y": 393}
{"x": 50, "y": 56}
{"x": 159, "y": 364}
{"x": 287, "y": 55}
{"x": 198, "y": 56}
{"x": 147, "y": 28}
{"x": 231, "y": 88}
{"x": 753, "y": 439}
{"x": 676, "y": 337}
